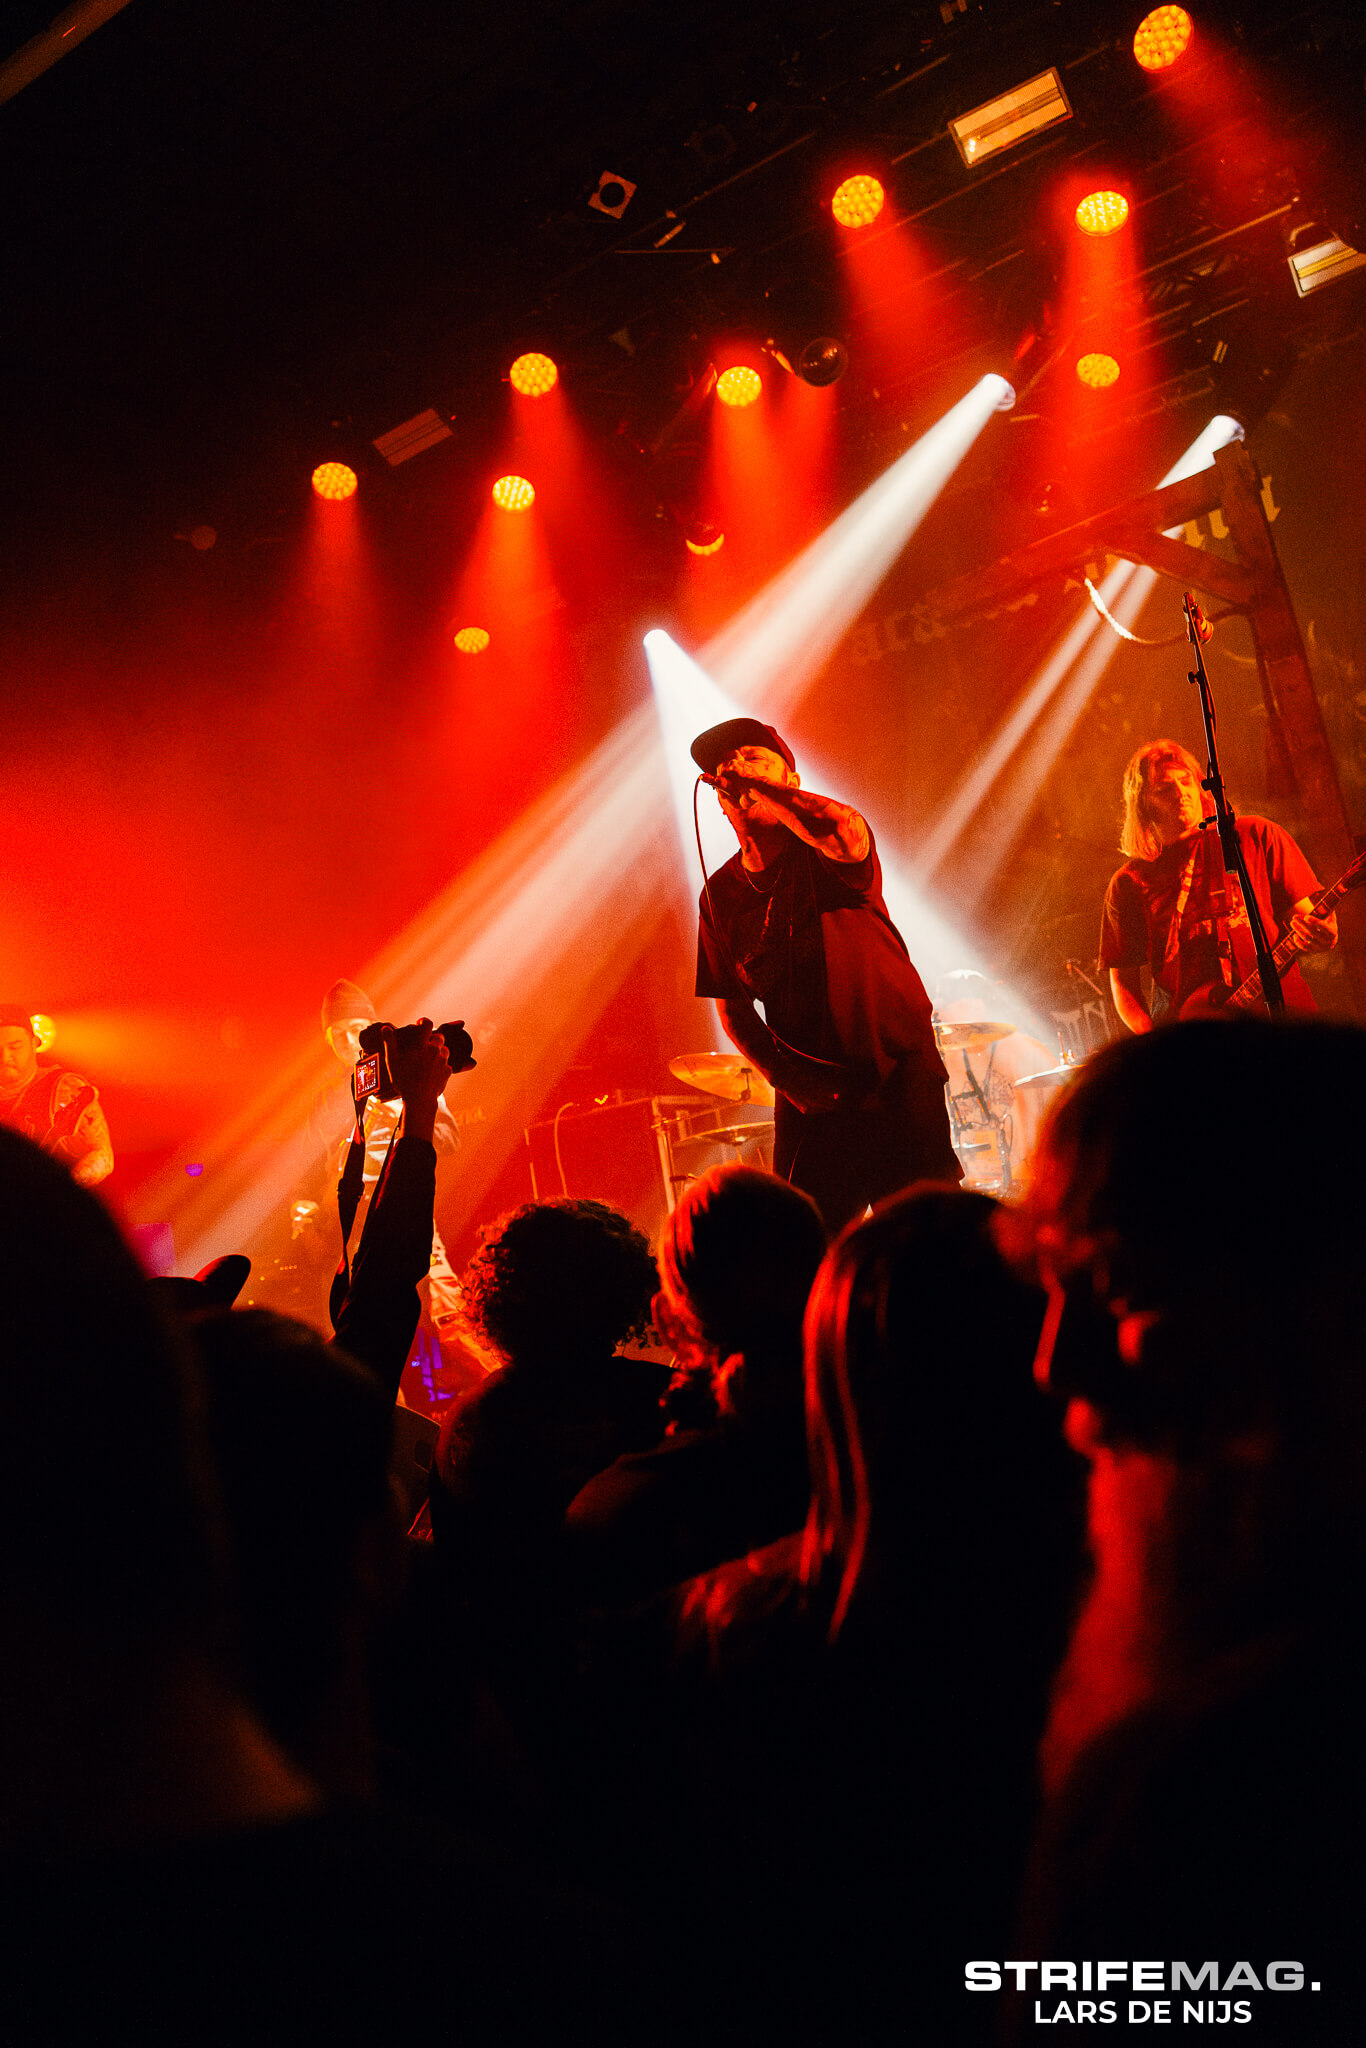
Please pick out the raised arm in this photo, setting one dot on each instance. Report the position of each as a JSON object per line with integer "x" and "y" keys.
{"x": 378, "y": 1314}
{"x": 834, "y": 829}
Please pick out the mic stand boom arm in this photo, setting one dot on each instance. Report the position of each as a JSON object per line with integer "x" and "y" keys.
{"x": 1230, "y": 845}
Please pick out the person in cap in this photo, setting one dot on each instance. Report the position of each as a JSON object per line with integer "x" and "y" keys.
{"x": 796, "y": 921}
{"x": 58, "y": 1110}
{"x": 346, "y": 1010}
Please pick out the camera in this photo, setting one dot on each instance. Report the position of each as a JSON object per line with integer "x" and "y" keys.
{"x": 374, "y": 1075}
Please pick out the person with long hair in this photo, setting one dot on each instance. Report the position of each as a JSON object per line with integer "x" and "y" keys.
{"x": 852, "y": 1713}
{"x": 1173, "y": 914}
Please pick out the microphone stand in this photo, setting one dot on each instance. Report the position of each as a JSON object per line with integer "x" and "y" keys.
{"x": 1230, "y": 845}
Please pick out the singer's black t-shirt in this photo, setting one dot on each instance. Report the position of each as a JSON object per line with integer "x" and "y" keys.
{"x": 811, "y": 940}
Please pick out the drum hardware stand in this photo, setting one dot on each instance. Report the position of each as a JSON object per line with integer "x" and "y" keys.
{"x": 1230, "y": 846}
{"x": 974, "y": 1092}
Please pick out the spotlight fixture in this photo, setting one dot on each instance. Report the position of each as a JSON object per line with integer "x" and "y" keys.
{"x": 471, "y": 639}
{"x": 1000, "y": 123}
{"x": 533, "y": 375}
{"x": 410, "y": 437}
{"x": 857, "y": 202}
{"x": 823, "y": 361}
{"x": 1097, "y": 370}
{"x": 513, "y": 494}
{"x": 739, "y": 386}
{"x": 705, "y": 547}
{"x": 1102, "y": 213}
{"x": 44, "y": 1030}
{"x": 613, "y": 196}
{"x": 820, "y": 361}
{"x": 1162, "y": 37}
{"x": 1322, "y": 264}
{"x": 334, "y": 480}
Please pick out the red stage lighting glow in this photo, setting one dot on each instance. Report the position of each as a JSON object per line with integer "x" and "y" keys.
{"x": 710, "y": 547}
{"x": 513, "y": 494}
{"x": 334, "y": 480}
{"x": 1162, "y": 37}
{"x": 471, "y": 639}
{"x": 738, "y": 386}
{"x": 533, "y": 375}
{"x": 858, "y": 202}
{"x": 1097, "y": 370}
{"x": 1102, "y": 213}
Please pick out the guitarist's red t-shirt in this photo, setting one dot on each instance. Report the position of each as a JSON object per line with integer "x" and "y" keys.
{"x": 812, "y": 941}
{"x": 1213, "y": 940}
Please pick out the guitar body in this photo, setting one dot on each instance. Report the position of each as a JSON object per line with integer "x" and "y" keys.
{"x": 1211, "y": 999}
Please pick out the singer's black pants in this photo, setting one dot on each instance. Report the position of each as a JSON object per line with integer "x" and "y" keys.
{"x": 847, "y": 1158}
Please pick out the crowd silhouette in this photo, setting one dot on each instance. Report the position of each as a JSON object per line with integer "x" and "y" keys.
{"x": 980, "y": 1589}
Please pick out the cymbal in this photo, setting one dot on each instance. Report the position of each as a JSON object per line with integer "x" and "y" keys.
{"x": 731, "y": 1134}
{"x": 972, "y": 1037}
{"x": 726, "y": 1074}
{"x": 1051, "y": 1077}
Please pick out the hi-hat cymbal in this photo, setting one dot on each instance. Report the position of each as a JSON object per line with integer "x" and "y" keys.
{"x": 973, "y": 1037}
{"x": 726, "y": 1074}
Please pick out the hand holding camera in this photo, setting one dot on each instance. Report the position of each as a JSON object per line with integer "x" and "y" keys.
{"x": 409, "y": 1062}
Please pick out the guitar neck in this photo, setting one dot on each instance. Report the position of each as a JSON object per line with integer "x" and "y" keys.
{"x": 1250, "y": 991}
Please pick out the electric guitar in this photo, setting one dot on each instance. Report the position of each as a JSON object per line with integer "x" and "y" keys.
{"x": 1214, "y": 996}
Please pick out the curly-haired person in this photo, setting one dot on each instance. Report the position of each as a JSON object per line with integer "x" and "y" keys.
{"x": 555, "y": 1289}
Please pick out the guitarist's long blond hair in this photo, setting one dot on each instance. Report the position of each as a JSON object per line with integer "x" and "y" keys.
{"x": 1137, "y": 838}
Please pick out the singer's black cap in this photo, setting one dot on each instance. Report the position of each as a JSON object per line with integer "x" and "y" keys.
{"x": 713, "y": 745}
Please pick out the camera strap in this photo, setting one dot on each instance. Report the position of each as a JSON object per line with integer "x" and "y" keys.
{"x": 351, "y": 1186}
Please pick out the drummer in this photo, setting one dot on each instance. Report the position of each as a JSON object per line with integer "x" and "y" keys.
{"x": 1001, "y": 1123}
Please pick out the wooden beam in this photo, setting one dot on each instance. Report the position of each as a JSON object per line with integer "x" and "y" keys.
{"x": 1186, "y": 565}
{"x": 1069, "y": 550}
{"x": 1286, "y": 681}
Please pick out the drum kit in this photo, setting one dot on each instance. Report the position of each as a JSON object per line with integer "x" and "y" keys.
{"x": 729, "y": 1077}
{"x": 981, "y": 1134}
{"x": 981, "y": 1131}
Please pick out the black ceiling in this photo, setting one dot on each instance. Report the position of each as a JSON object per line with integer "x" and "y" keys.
{"x": 228, "y": 227}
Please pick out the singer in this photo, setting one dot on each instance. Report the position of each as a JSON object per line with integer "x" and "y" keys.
{"x": 1172, "y": 910}
{"x": 795, "y": 920}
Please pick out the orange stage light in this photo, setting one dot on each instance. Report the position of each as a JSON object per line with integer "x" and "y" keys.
{"x": 738, "y": 386}
{"x": 472, "y": 639}
{"x": 1162, "y": 37}
{"x": 858, "y": 202}
{"x": 334, "y": 480}
{"x": 1102, "y": 213}
{"x": 1097, "y": 370}
{"x": 513, "y": 494}
{"x": 710, "y": 547}
{"x": 533, "y": 375}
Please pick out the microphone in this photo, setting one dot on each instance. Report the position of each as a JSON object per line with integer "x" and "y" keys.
{"x": 1199, "y": 624}
{"x": 730, "y": 784}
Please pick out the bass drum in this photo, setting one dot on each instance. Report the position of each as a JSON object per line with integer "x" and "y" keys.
{"x": 984, "y": 1155}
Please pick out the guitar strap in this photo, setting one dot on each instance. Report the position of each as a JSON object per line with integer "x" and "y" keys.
{"x": 1203, "y": 858}
{"x": 1182, "y": 899}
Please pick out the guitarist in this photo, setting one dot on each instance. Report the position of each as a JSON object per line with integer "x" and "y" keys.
{"x": 795, "y": 920}
{"x": 1172, "y": 909}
